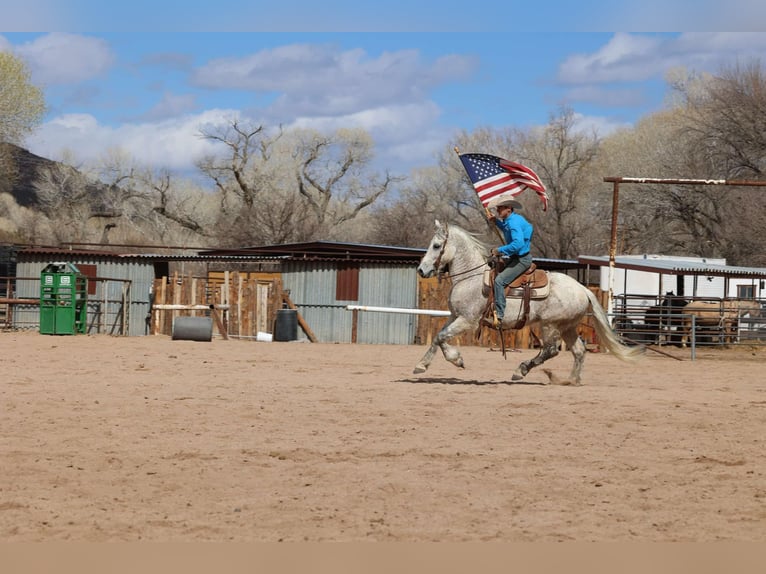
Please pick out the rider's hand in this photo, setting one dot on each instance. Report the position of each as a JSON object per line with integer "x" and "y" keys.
{"x": 495, "y": 252}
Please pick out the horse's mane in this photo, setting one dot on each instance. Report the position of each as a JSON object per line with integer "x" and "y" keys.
{"x": 472, "y": 239}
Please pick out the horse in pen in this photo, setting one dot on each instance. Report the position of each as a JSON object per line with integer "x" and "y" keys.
{"x": 721, "y": 318}
{"x": 558, "y": 314}
{"x": 663, "y": 320}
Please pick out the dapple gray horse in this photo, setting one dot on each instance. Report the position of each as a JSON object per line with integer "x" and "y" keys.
{"x": 558, "y": 315}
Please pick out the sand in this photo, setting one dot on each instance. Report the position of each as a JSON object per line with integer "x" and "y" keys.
{"x": 146, "y": 438}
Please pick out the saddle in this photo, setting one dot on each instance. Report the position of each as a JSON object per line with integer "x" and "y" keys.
{"x": 533, "y": 279}
{"x": 532, "y": 284}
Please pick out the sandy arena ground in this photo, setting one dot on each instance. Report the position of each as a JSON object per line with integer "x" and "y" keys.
{"x": 145, "y": 438}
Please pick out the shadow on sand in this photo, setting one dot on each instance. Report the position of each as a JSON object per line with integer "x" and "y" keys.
{"x": 454, "y": 381}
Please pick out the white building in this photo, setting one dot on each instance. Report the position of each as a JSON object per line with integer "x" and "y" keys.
{"x": 646, "y": 278}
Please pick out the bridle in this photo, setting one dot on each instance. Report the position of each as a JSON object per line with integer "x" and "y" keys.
{"x": 437, "y": 263}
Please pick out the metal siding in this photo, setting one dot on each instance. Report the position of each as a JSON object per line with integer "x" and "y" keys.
{"x": 28, "y": 316}
{"x": 312, "y": 289}
{"x": 139, "y": 272}
{"x": 387, "y": 286}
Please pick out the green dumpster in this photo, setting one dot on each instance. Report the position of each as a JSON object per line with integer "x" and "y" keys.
{"x": 63, "y": 300}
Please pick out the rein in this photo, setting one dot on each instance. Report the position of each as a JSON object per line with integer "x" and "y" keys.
{"x": 467, "y": 270}
{"x": 438, "y": 261}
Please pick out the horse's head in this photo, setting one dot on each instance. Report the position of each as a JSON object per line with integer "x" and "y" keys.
{"x": 673, "y": 300}
{"x": 438, "y": 255}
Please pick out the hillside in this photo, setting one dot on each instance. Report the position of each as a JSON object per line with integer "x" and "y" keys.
{"x": 19, "y": 170}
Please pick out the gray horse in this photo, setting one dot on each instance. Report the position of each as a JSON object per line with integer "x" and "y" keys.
{"x": 558, "y": 315}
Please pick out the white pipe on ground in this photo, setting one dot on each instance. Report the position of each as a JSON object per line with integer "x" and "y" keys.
{"x": 399, "y": 310}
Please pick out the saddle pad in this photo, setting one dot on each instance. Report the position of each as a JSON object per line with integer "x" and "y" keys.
{"x": 540, "y": 290}
{"x": 537, "y": 279}
{"x": 535, "y": 293}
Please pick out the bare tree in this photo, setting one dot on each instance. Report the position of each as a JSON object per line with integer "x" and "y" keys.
{"x": 725, "y": 119}
{"x": 172, "y": 206}
{"x": 248, "y": 147}
{"x": 22, "y": 107}
{"x": 564, "y": 159}
{"x": 725, "y": 126}
{"x": 443, "y": 192}
{"x": 286, "y": 186}
{"x": 64, "y": 196}
{"x": 331, "y": 175}
{"x": 408, "y": 219}
{"x": 706, "y": 133}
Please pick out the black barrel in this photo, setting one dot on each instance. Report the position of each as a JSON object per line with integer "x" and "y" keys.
{"x": 193, "y": 329}
{"x": 286, "y": 325}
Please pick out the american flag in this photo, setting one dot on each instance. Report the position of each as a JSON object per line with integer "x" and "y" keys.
{"x": 493, "y": 176}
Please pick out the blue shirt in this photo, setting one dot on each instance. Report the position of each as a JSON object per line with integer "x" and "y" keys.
{"x": 518, "y": 235}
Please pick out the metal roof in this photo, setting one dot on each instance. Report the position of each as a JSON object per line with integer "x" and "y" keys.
{"x": 325, "y": 250}
{"x": 558, "y": 264}
{"x": 670, "y": 266}
{"x": 56, "y": 251}
{"x": 311, "y": 251}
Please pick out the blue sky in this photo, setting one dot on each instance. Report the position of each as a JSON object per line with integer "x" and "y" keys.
{"x": 150, "y": 92}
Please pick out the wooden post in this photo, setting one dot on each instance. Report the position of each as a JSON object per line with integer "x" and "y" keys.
{"x": 354, "y": 323}
{"x": 219, "y": 323}
{"x": 301, "y": 321}
{"x": 240, "y": 287}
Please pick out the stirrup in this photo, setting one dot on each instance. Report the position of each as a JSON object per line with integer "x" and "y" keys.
{"x": 493, "y": 321}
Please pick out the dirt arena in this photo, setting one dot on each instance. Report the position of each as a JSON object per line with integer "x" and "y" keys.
{"x": 145, "y": 438}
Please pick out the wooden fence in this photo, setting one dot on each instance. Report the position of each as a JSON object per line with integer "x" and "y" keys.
{"x": 242, "y": 305}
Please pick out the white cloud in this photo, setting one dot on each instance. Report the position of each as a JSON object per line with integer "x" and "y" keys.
{"x": 406, "y": 133}
{"x": 171, "y": 105}
{"x": 320, "y": 79}
{"x": 625, "y": 58}
{"x": 598, "y": 95}
{"x": 638, "y": 57}
{"x": 174, "y": 144}
{"x": 59, "y": 58}
{"x": 602, "y": 126}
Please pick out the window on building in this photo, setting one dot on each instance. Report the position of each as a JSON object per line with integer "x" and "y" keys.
{"x": 745, "y": 292}
{"x": 347, "y": 282}
{"x": 90, "y": 272}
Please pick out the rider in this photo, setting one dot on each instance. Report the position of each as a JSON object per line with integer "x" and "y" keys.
{"x": 517, "y": 233}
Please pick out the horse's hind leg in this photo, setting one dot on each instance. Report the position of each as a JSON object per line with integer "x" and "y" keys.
{"x": 577, "y": 348}
{"x": 454, "y": 327}
{"x": 550, "y": 348}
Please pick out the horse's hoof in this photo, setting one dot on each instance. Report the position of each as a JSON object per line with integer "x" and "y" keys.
{"x": 419, "y": 370}
{"x": 517, "y": 377}
{"x": 554, "y": 379}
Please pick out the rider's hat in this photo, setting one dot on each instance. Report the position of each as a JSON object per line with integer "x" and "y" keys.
{"x": 504, "y": 201}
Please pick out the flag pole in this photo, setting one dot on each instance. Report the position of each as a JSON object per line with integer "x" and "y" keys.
{"x": 487, "y": 213}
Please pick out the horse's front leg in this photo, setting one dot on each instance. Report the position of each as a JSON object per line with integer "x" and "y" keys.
{"x": 551, "y": 338}
{"x": 454, "y": 326}
{"x": 685, "y": 334}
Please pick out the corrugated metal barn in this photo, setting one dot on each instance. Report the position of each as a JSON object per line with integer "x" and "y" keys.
{"x": 320, "y": 279}
{"x": 119, "y": 288}
{"x": 323, "y": 277}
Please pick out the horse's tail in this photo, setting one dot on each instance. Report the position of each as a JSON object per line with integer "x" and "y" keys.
{"x": 607, "y": 336}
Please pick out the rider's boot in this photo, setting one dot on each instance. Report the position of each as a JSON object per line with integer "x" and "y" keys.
{"x": 495, "y": 322}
